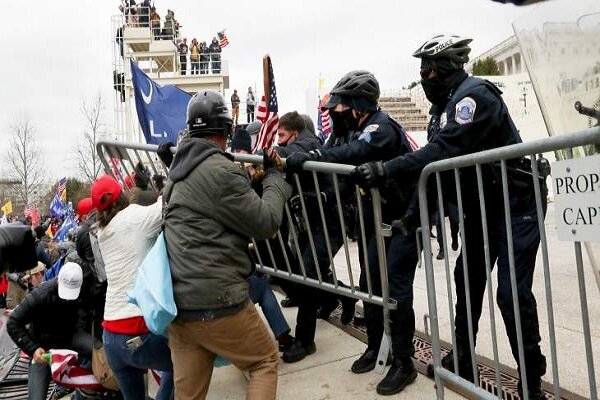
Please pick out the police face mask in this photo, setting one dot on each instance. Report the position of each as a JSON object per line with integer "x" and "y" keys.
{"x": 343, "y": 122}
{"x": 438, "y": 89}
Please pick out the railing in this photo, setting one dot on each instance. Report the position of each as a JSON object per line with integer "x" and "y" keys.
{"x": 515, "y": 301}
{"x": 316, "y": 231}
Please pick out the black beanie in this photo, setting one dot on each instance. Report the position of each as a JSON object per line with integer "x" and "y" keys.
{"x": 241, "y": 141}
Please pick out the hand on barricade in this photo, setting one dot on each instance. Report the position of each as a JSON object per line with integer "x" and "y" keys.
{"x": 272, "y": 160}
{"x": 294, "y": 162}
{"x": 164, "y": 153}
{"x": 370, "y": 174}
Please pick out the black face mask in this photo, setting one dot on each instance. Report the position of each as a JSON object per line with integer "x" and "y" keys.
{"x": 343, "y": 122}
{"x": 435, "y": 90}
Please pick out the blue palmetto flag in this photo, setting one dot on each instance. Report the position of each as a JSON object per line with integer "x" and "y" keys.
{"x": 161, "y": 109}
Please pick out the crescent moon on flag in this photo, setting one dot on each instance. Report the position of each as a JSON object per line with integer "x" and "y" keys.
{"x": 148, "y": 98}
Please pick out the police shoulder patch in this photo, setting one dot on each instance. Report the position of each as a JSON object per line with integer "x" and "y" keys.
{"x": 465, "y": 111}
{"x": 371, "y": 128}
{"x": 366, "y": 133}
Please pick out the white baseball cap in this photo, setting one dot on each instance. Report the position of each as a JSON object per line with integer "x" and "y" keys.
{"x": 70, "y": 279}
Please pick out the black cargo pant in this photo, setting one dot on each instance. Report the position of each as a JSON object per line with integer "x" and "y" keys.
{"x": 310, "y": 299}
{"x": 402, "y": 260}
{"x": 526, "y": 240}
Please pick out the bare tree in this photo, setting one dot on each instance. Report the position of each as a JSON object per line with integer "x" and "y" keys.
{"x": 88, "y": 161}
{"x": 25, "y": 159}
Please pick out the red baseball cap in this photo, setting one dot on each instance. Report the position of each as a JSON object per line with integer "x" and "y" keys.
{"x": 84, "y": 206}
{"x": 105, "y": 191}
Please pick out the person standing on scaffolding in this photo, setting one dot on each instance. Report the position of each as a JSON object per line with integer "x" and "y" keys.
{"x": 468, "y": 115}
{"x": 362, "y": 133}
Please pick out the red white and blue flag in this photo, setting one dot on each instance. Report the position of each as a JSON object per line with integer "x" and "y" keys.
{"x": 411, "y": 141}
{"x": 267, "y": 112}
{"x": 223, "y": 41}
{"x": 31, "y": 211}
{"x": 324, "y": 124}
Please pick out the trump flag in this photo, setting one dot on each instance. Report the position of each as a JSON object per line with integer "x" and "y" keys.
{"x": 161, "y": 109}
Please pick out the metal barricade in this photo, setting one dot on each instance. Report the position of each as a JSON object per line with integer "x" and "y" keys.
{"x": 478, "y": 161}
{"x": 120, "y": 160}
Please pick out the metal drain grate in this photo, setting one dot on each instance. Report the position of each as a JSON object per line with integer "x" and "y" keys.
{"x": 487, "y": 375}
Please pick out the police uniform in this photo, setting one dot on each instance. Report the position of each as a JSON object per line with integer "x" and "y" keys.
{"x": 382, "y": 138}
{"x": 475, "y": 119}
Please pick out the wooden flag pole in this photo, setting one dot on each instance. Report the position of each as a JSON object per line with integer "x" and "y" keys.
{"x": 266, "y": 83}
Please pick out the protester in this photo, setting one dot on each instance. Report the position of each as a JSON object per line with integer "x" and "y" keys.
{"x": 250, "y": 102}
{"x": 211, "y": 212}
{"x": 215, "y": 56}
{"x": 235, "y": 107}
{"x": 260, "y": 289}
{"x": 204, "y": 58}
{"x": 194, "y": 57}
{"x": 126, "y": 233}
{"x": 51, "y": 317}
{"x": 183, "y": 50}
{"x": 155, "y": 23}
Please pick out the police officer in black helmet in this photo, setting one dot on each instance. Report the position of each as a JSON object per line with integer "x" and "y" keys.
{"x": 469, "y": 115}
{"x": 362, "y": 133}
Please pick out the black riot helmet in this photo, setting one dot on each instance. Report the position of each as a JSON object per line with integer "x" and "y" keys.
{"x": 357, "y": 89}
{"x": 207, "y": 114}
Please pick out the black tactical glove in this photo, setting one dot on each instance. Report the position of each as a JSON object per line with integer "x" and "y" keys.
{"x": 294, "y": 162}
{"x": 164, "y": 153}
{"x": 370, "y": 174}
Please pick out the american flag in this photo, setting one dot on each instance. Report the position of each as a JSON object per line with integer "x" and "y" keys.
{"x": 31, "y": 211}
{"x": 61, "y": 189}
{"x": 411, "y": 141}
{"x": 324, "y": 124}
{"x": 223, "y": 41}
{"x": 267, "y": 114}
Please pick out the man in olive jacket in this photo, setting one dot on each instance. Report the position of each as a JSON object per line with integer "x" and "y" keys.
{"x": 211, "y": 212}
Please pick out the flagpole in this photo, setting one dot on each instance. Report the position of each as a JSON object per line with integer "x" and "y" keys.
{"x": 266, "y": 82}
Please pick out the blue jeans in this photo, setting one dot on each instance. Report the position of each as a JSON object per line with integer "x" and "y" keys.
{"x": 261, "y": 293}
{"x": 129, "y": 365}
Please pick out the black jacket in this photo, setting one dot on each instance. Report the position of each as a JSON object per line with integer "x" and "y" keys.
{"x": 380, "y": 138}
{"x": 45, "y": 320}
{"x": 474, "y": 119}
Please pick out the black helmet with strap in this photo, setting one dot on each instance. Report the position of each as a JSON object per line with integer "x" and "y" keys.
{"x": 357, "y": 89}
{"x": 207, "y": 114}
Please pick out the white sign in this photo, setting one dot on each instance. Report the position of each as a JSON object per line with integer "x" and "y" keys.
{"x": 577, "y": 199}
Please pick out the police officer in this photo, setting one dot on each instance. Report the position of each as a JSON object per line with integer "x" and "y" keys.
{"x": 362, "y": 133}
{"x": 468, "y": 115}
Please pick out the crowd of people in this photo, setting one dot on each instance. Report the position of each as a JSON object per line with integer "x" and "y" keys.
{"x": 145, "y": 15}
{"x": 211, "y": 207}
{"x": 201, "y": 56}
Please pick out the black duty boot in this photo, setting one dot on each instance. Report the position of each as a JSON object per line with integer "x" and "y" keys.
{"x": 454, "y": 243}
{"x": 465, "y": 366}
{"x": 536, "y": 368}
{"x": 287, "y": 303}
{"x": 440, "y": 254}
{"x": 366, "y": 362}
{"x": 347, "y": 310}
{"x": 534, "y": 388}
{"x": 401, "y": 374}
{"x": 298, "y": 350}
{"x": 327, "y": 307}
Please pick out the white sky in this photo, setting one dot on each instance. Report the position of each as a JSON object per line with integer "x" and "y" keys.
{"x": 55, "y": 53}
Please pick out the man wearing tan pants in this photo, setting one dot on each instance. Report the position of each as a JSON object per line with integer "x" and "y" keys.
{"x": 210, "y": 214}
